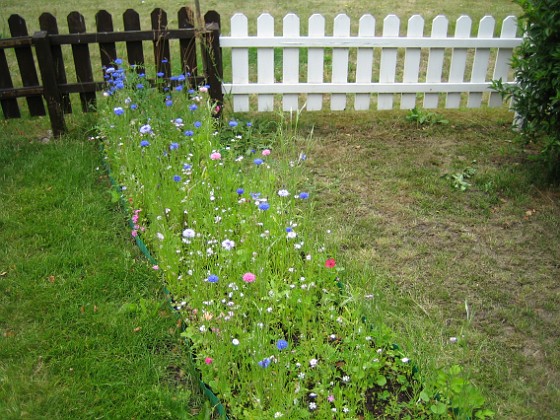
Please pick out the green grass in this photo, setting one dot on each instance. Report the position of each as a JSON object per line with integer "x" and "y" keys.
{"x": 85, "y": 331}
{"x": 480, "y": 265}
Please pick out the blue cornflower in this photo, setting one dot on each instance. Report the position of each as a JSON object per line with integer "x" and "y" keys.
{"x": 164, "y": 60}
{"x": 118, "y": 61}
{"x": 189, "y": 133}
{"x": 119, "y": 85}
{"x": 176, "y": 178}
{"x": 191, "y": 91}
{"x": 240, "y": 191}
{"x": 249, "y": 124}
{"x": 187, "y": 167}
{"x": 197, "y": 124}
{"x": 133, "y": 106}
{"x": 160, "y": 74}
{"x": 193, "y": 107}
{"x": 264, "y": 206}
{"x": 289, "y": 229}
{"x": 302, "y": 156}
{"x": 255, "y": 196}
{"x": 179, "y": 88}
{"x": 139, "y": 86}
{"x": 181, "y": 78}
{"x": 258, "y": 161}
{"x": 141, "y": 75}
{"x": 303, "y": 195}
{"x": 282, "y": 344}
{"x": 168, "y": 102}
{"x": 118, "y": 110}
{"x": 264, "y": 363}
{"x": 173, "y": 146}
{"x": 212, "y": 278}
{"x": 233, "y": 124}
{"x": 144, "y": 143}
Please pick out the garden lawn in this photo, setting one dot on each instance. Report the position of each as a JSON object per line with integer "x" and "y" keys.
{"x": 85, "y": 331}
{"x": 479, "y": 265}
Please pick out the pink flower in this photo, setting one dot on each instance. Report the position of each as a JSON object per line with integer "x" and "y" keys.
{"x": 330, "y": 398}
{"x": 134, "y": 233}
{"x": 249, "y": 277}
{"x": 330, "y": 263}
{"x": 208, "y": 360}
{"x": 156, "y": 267}
{"x": 215, "y": 156}
{"x": 266, "y": 152}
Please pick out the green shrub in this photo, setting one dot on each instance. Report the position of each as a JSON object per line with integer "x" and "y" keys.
{"x": 536, "y": 64}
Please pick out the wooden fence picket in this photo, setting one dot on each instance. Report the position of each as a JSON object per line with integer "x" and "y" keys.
{"x": 187, "y": 47}
{"x": 290, "y": 62}
{"x": 481, "y": 60}
{"x": 340, "y": 61}
{"x": 26, "y": 64}
{"x": 412, "y": 60}
{"x": 10, "y": 106}
{"x": 162, "y": 55}
{"x": 240, "y": 61}
{"x": 315, "y": 62}
{"x": 364, "y": 62}
{"x": 501, "y": 69}
{"x": 388, "y": 64}
{"x": 47, "y": 23}
{"x": 82, "y": 60}
{"x": 134, "y": 50}
{"x": 458, "y": 61}
{"x": 107, "y": 50}
{"x": 435, "y": 61}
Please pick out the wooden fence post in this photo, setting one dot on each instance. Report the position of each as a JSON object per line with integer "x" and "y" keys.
{"x": 212, "y": 56}
{"x": 50, "y": 86}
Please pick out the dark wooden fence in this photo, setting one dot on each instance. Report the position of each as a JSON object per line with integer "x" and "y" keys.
{"x": 54, "y": 89}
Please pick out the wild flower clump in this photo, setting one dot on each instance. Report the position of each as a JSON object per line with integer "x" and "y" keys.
{"x": 273, "y": 330}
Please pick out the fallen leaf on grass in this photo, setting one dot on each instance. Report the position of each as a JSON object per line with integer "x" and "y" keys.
{"x": 51, "y": 279}
{"x": 3, "y": 273}
{"x": 9, "y": 333}
{"x": 137, "y": 329}
{"x": 529, "y": 213}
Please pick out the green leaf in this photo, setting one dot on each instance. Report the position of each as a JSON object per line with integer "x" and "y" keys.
{"x": 381, "y": 380}
{"x": 424, "y": 396}
{"x": 438, "y": 408}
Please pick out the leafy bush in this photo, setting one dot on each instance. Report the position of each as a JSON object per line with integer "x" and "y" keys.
{"x": 536, "y": 64}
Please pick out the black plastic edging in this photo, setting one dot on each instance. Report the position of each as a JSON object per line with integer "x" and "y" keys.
{"x": 214, "y": 400}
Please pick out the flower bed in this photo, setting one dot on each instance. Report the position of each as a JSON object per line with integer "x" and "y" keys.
{"x": 223, "y": 209}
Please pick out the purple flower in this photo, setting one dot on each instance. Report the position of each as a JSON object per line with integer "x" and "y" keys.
{"x": 233, "y": 124}
{"x": 303, "y": 195}
{"x": 133, "y": 106}
{"x": 249, "y": 124}
{"x": 139, "y": 86}
{"x": 173, "y": 146}
{"x": 187, "y": 167}
{"x": 168, "y": 102}
{"x": 160, "y": 74}
{"x": 118, "y": 110}
{"x": 212, "y": 278}
{"x": 176, "y": 178}
{"x": 240, "y": 191}
{"x": 189, "y": 133}
{"x": 197, "y": 124}
{"x": 144, "y": 143}
{"x": 264, "y": 206}
{"x": 282, "y": 344}
{"x": 264, "y": 363}
{"x": 193, "y": 107}
{"x": 118, "y": 61}
{"x": 258, "y": 162}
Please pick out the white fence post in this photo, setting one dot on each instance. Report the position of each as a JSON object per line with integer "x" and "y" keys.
{"x": 388, "y": 63}
{"x": 265, "y": 61}
{"x": 240, "y": 61}
{"x": 412, "y": 60}
{"x": 315, "y": 62}
{"x": 364, "y": 62}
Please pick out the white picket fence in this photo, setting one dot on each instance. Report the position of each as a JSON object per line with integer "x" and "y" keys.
{"x": 412, "y": 70}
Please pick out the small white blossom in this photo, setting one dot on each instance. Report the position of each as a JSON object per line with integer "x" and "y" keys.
{"x": 235, "y": 342}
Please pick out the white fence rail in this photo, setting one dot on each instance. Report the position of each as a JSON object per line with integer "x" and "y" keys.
{"x": 375, "y": 71}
